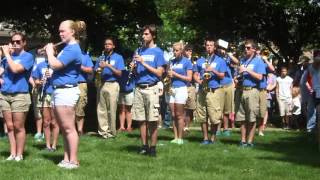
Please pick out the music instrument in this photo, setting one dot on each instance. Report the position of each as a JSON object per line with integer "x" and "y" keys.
{"x": 265, "y": 53}
{"x": 206, "y": 76}
{"x": 167, "y": 81}
{"x": 98, "y": 74}
{"x": 43, "y": 50}
{"x": 44, "y": 83}
{"x": 132, "y": 69}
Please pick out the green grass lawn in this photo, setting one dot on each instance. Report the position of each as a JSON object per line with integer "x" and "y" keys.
{"x": 278, "y": 155}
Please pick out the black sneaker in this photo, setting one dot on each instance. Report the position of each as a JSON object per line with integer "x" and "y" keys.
{"x": 144, "y": 150}
{"x": 152, "y": 151}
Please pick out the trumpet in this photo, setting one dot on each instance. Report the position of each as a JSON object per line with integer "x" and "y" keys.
{"x": 265, "y": 53}
{"x": 43, "y": 50}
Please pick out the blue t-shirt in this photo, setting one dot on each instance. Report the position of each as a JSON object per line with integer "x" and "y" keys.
{"x": 39, "y": 72}
{"x": 180, "y": 66}
{"x": 228, "y": 76}
{"x": 218, "y": 64}
{"x": 17, "y": 83}
{"x": 70, "y": 57}
{"x": 86, "y": 61}
{"x": 153, "y": 57}
{"x": 124, "y": 83}
{"x": 116, "y": 60}
{"x": 257, "y": 65}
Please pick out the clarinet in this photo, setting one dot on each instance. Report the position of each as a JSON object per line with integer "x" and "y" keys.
{"x": 130, "y": 76}
{"x": 45, "y": 80}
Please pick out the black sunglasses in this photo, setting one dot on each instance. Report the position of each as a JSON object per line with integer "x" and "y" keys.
{"x": 16, "y": 41}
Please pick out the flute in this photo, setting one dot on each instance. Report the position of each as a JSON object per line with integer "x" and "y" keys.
{"x": 42, "y": 50}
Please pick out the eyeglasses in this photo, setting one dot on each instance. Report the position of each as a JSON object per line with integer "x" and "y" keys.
{"x": 16, "y": 41}
{"x": 248, "y": 47}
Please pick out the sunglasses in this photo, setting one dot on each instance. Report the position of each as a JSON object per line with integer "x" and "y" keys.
{"x": 248, "y": 47}
{"x": 16, "y": 41}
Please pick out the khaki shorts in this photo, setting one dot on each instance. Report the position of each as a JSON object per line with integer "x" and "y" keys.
{"x": 191, "y": 101}
{"x": 15, "y": 102}
{"x": 284, "y": 107}
{"x": 126, "y": 98}
{"x": 46, "y": 102}
{"x": 35, "y": 98}
{"x": 146, "y": 104}
{"x": 83, "y": 100}
{"x": 227, "y": 102}
{"x": 262, "y": 103}
{"x": 209, "y": 104}
{"x": 247, "y": 105}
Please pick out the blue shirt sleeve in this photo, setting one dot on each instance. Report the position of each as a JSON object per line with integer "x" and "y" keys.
{"x": 27, "y": 62}
{"x": 120, "y": 63}
{"x": 67, "y": 56}
{"x": 189, "y": 65}
{"x": 222, "y": 66}
{"x": 260, "y": 67}
{"x": 160, "y": 61}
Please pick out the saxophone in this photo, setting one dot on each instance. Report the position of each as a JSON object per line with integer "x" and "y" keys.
{"x": 98, "y": 74}
{"x": 167, "y": 81}
{"x": 206, "y": 76}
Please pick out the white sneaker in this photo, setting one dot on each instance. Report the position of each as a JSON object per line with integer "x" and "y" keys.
{"x": 261, "y": 134}
{"x": 71, "y": 165}
{"x": 18, "y": 158}
{"x": 11, "y": 158}
{"x": 62, "y": 163}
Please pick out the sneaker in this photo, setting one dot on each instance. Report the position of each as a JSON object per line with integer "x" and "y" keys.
{"x": 180, "y": 141}
{"x": 243, "y": 144}
{"x": 71, "y": 165}
{"x": 144, "y": 150}
{"x": 152, "y": 151}
{"x": 206, "y": 142}
{"x": 250, "y": 145}
{"x": 38, "y": 137}
{"x": 62, "y": 163}
{"x": 174, "y": 141}
{"x": 261, "y": 134}
{"x": 218, "y": 133}
{"x": 18, "y": 158}
{"x": 226, "y": 133}
{"x": 10, "y": 158}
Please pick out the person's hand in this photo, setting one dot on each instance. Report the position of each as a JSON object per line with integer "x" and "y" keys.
{"x": 242, "y": 69}
{"x": 209, "y": 69}
{"x": 102, "y": 64}
{"x": 49, "y": 49}
{"x": 6, "y": 50}
{"x": 138, "y": 58}
{"x": 1, "y": 81}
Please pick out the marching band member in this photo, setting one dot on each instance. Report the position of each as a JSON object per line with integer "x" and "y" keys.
{"x": 66, "y": 68}
{"x": 112, "y": 65}
{"x": 247, "y": 110}
{"x": 15, "y": 98}
{"x": 41, "y": 76}
{"x": 180, "y": 73}
{"x": 149, "y": 68}
{"x": 86, "y": 69}
{"x": 127, "y": 86}
{"x": 191, "y": 101}
{"x": 227, "y": 103}
{"x": 209, "y": 73}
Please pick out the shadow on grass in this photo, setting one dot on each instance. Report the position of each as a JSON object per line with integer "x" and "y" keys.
{"x": 300, "y": 149}
{"x": 6, "y": 154}
{"x": 55, "y": 158}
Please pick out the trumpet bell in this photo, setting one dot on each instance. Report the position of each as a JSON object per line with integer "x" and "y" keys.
{"x": 206, "y": 75}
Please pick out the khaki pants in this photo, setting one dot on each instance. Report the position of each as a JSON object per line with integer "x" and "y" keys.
{"x": 83, "y": 100}
{"x": 208, "y": 105}
{"x": 146, "y": 104}
{"x": 107, "y": 108}
{"x": 227, "y": 100}
{"x": 262, "y": 103}
{"x": 247, "y": 105}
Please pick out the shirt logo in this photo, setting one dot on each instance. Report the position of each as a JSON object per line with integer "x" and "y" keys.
{"x": 177, "y": 66}
{"x": 213, "y": 65}
{"x": 149, "y": 58}
{"x": 251, "y": 66}
{"x": 17, "y": 61}
{"x": 112, "y": 62}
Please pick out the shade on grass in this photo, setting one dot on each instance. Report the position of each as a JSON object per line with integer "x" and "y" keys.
{"x": 278, "y": 155}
